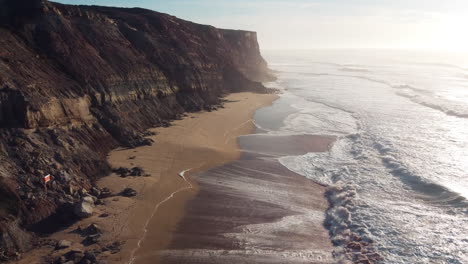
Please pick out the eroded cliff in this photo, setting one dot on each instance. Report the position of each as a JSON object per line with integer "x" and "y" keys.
{"x": 78, "y": 81}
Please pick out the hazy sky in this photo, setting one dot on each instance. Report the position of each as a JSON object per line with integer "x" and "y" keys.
{"x": 307, "y": 24}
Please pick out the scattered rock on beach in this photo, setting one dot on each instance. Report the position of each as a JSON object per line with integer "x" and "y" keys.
{"x": 128, "y": 192}
{"x": 74, "y": 255}
{"x": 85, "y": 207}
{"x": 95, "y": 192}
{"x": 91, "y": 239}
{"x": 148, "y": 133}
{"x": 125, "y": 172}
{"x": 114, "y": 247}
{"x": 63, "y": 244}
{"x": 137, "y": 171}
{"x": 145, "y": 142}
{"x": 92, "y": 229}
{"x": 105, "y": 192}
{"x": 122, "y": 172}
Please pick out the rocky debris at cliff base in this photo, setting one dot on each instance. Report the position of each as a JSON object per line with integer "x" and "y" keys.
{"x": 85, "y": 207}
{"x": 91, "y": 239}
{"x": 62, "y": 244}
{"x": 105, "y": 193}
{"x": 149, "y": 133}
{"x": 144, "y": 142}
{"x": 9, "y": 256}
{"x": 135, "y": 172}
{"x": 114, "y": 247}
{"x": 77, "y": 256}
{"x": 92, "y": 229}
{"x": 128, "y": 192}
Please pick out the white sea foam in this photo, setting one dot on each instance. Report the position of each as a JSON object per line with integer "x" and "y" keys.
{"x": 397, "y": 174}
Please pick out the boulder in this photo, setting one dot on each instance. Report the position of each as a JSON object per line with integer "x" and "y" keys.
{"x": 84, "y": 208}
{"x": 64, "y": 177}
{"x": 75, "y": 255}
{"x": 92, "y": 229}
{"x": 89, "y": 199}
{"x": 137, "y": 171}
{"x": 63, "y": 244}
{"x": 128, "y": 192}
{"x": 122, "y": 172}
{"x": 91, "y": 239}
{"x": 95, "y": 192}
{"x": 105, "y": 192}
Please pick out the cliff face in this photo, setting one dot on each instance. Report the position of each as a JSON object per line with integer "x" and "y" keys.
{"x": 77, "y": 81}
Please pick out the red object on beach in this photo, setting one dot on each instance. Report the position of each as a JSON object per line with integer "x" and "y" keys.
{"x": 47, "y": 178}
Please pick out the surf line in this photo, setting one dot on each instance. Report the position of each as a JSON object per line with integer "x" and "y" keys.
{"x": 236, "y": 128}
{"x": 156, "y": 207}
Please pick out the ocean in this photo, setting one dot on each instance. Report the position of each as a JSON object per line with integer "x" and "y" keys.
{"x": 397, "y": 176}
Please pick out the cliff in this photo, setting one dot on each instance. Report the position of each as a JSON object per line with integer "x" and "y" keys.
{"x": 78, "y": 81}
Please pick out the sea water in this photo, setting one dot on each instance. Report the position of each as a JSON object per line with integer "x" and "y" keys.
{"x": 398, "y": 173}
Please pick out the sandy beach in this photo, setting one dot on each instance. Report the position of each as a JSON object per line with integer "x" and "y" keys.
{"x": 209, "y": 194}
{"x": 198, "y": 142}
{"x": 254, "y": 210}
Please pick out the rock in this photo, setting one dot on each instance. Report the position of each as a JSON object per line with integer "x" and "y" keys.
{"x": 70, "y": 190}
{"x": 75, "y": 255}
{"x": 113, "y": 248}
{"x": 92, "y": 229}
{"x": 128, "y": 192}
{"x": 105, "y": 192}
{"x": 63, "y": 244}
{"x": 84, "y": 208}
{"x": 83, "y": 192}
{"x": 95, "y": 192}
{"x": 90, "y": 256}
{"x": 89, "y": 199}
{"x": 148, "y": 133}
{"x": 122, "y": 172}
{"x": 61, "y": 260}
{"x": 143, "y": 142}
{"x": 64, "y": 177}
{"x": 137, "y": 171}
{"x": 91, "y": 239}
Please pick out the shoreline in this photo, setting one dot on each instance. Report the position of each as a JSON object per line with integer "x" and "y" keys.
{"x": 198, "y": 142}
{"x": 189, "y": 146}
{"x": 254, "y": 210}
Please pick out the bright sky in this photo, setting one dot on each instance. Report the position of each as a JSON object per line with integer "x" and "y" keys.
{"x": 309, "y": 24}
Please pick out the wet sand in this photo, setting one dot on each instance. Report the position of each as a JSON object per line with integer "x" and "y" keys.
{"x": 253, "y": 210}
